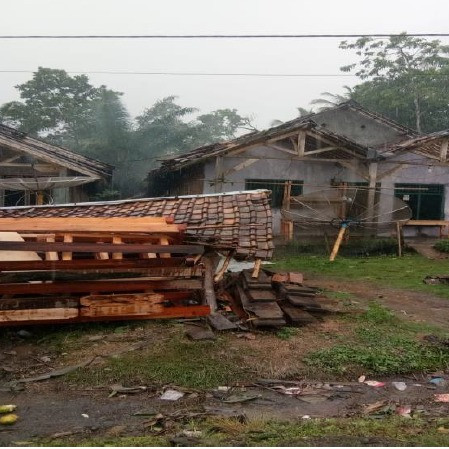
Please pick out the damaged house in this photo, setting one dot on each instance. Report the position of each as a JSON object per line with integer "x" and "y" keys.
{"x": 347, "y": 145}
{"x": 35, "y": 172}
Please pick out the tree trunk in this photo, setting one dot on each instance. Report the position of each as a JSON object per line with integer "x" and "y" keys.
{"x": 417, "y": 113}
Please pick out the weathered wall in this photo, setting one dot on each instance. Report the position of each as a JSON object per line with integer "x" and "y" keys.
{"x": 354, "y": 125}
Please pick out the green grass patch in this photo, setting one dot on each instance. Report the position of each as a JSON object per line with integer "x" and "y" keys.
{"x": 383, "y": 344}
{"x": 171, "y": 360}
{"x": 405, "y": 272}
{"x": 391, "y": 431}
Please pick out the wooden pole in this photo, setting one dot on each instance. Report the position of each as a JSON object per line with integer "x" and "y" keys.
{"x": 399, "y": 237}
{"x": 337, "y": 243}
{"x": 40, "y": 198}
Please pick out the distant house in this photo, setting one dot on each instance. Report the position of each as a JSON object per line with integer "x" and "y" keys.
{"x": 346, "y": 144}
{"x": 35, "y": 172}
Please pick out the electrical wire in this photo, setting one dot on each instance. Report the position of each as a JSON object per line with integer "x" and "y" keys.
{"x": 217, "y": 36}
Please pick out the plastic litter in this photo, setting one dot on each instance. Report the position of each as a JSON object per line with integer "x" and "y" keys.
{"x": 374, "y": 383}
{"x": 404, "y": 411}
{"x": 171, "y": 395}
{"x": 8, "y": 419}
{"x": 7, "y": 408}
{"x": 401, "y": 386}
{"x": 437, "y": 381}
{"x": 362, "y": 379}
{"x": 85, "y": 415}
{"x": 442, "y": 397}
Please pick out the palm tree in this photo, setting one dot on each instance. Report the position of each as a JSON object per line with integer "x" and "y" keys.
{"x": 331, "y": 100}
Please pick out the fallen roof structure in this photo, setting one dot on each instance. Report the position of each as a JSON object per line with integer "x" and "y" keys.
{"x": 240, "y": 222}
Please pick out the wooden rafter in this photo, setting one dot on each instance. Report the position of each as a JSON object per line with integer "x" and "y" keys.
{"x": 443, "y": 150}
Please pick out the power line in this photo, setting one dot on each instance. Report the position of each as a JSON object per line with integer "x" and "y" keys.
{"x": 216, "y": 36}
{"x": 243, "y": 74}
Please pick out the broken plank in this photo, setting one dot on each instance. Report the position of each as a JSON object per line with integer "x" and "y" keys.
{"x": 303, "y": 302}
{"x": 296, "y": 315}
{"x": 261, "y": 295}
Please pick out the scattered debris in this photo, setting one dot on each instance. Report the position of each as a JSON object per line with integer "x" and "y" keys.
{"x": 171, "y": 395}
{"x": 374, "y": 383}
{"x": 439, "y": 381}
{"x": 241, "y": 397}
{"x": 198, "y": 332}
{"x": 147, "y": 412}
{"x": 24, "y": 333}
{"x": 442, "y": 397}
{"x": 361, "y": 379}
{"x": 192, "y": 433}
{"x": 401, "y": 386}
{"x": 374, "y": 407}
{"x": 119, "y": 389}
{"x": 7, "y": 408}
{"x": 404, "y": 411}
{"x": 11, "y": 418}
{"x": 85, "y": 415}
{"x": 220, "y": 322}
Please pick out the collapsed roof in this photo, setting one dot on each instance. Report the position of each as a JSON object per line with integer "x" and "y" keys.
{"x": 233, "y": 221}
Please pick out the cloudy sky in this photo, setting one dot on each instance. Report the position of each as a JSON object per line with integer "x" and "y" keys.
{"x": 264, "y": 98}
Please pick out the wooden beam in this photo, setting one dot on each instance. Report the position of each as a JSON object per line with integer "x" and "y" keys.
{"x": 301, "y": 143}
{"x": 284, "y": 150}
{"x": 443, "y": 150}
{"x": 391, "y": 171}
{"x": 219, "y": 175}
{"x": 99, "y": 286}
{"x": 351, "y": 166}
{"x": 97, "y": 224}
{"x": 128, "y": 248}
{"x": 240, "y": 166}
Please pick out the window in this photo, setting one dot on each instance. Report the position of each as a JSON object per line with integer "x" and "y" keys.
{"x": 425, "y": 200}
{"x": 276, "y": 186}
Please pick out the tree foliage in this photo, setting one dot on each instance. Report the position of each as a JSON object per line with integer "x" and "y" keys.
{"x": 413, "y": 68}
{"x": 69, "y": 111}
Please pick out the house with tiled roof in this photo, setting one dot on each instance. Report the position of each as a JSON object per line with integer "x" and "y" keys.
{"x": 347, "y": 144}
{"x": 33, "y": 171}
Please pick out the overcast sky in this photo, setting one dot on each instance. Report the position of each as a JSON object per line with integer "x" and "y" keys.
{"x": 263, "y": 98}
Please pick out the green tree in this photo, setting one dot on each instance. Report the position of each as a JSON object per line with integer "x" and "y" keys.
{"x": 330, "y": 100}
{"x": 53, "y": 103}
{"x": 415, "y": 66}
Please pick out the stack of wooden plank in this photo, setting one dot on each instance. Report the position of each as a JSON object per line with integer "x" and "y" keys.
{"x": 104, "y": 268}
{"x": 275, "y": 299}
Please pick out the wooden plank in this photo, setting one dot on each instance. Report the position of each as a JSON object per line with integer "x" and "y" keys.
{"x": 303, "y": 302}
{"x": 257, "y": 265}
{"x": 128, "y": 248}
{"x": 427, "y": 223}
{"x": 167, "y": 312}
{"x": 116, "y": 285}
{"x": 39, "y": 303}
{"x": 119, "y": 305}
{"x": 90, "y": 264}
{"x": 33, "y": 315}
{"x": 164, "y": 242}
{"x": 261, "y": 295}
{"x": 90, "y": 224}
{"x": 16, "y": 255}
{"x": 296, "y": 315}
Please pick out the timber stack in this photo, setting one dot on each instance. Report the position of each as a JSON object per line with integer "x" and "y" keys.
{"x": 104, "y": 268}
{"x": 275, "y": 299}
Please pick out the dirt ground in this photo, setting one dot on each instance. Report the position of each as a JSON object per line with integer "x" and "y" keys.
{"x": 55, "y": 408}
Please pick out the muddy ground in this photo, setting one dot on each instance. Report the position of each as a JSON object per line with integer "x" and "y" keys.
{"x": 56, "y": 408}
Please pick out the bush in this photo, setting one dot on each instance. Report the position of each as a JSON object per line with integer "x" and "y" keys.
{"x": 442, "y": 245}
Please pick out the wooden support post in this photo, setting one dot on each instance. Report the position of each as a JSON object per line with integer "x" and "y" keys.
{"x": 220, "y": 273}
{"x": 443, "y": 150}
{"x": 40, "y": 198}
{"x": 301, "y": 143}
{"x": 337, "y": 244}
{"x": 256, "y": 270}
{"x": 287, "y": 225}
{"x": 372, "y": 170}
{"x": 399, "y": 237}
{"x": 51, "y": 255}
{"x": 164, "y": 241}
{"x": 218, "y": 187}
{"x": 67, "y": 255}
{"x": 117, "y": 239}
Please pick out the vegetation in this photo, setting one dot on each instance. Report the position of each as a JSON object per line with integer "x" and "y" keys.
{"x": 390, "y": 431}
{"x": 69, "y": 111}
{"x": 383, "y": 344}
{"x": 406, "y": 272}
{"x": 442, "y": 245}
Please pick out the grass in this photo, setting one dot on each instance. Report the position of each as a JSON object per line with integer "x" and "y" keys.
{"x": 171, "y": 359}
{"x": 392, "y": 431}
{"x": 382, "y": 344}
{"x": 405, "y": 272}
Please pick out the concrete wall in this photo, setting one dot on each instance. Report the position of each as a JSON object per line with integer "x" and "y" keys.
{"x": 317, "y": 176}
{"x": 355, "y": 126}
